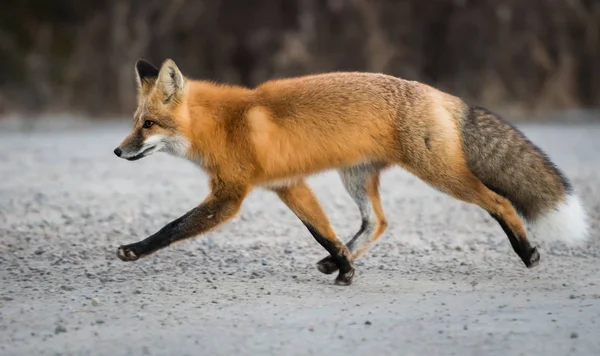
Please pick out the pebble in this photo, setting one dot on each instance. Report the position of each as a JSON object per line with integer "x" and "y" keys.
{"x": 95, "y": 302}
{"x": 368, "y": 322}
{"x": 574, "y": 335}
{"x": 60, "y": 328}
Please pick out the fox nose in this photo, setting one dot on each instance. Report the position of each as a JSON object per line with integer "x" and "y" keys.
{"x": 118, "y": 152}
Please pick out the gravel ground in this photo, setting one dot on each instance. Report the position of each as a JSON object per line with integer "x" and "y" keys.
{"x": 442, "y": 280}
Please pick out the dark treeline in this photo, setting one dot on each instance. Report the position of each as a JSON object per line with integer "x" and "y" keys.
{"x": 78, "y": 56}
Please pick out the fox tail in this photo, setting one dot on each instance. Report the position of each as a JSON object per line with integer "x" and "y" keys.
{"x": 515, "y": 168}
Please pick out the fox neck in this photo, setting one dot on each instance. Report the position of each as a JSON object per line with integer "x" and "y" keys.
{"x": 208, "y": 106}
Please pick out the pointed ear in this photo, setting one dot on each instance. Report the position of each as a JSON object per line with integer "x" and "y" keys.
{"x": 170, "y": 81}
{"x": 145, "y": 75}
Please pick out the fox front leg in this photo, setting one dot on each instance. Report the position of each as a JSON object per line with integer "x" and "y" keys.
{"x": 301, "y": 201}
{"x": 221, "y": 205}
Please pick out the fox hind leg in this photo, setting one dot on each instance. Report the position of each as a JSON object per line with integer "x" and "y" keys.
{"x": 504, "y": 213}
{"x": 362, "y": 183}
{"x": 470, "y": 189}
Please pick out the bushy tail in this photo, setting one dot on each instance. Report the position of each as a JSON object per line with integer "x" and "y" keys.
{"x": 512, "y": 166}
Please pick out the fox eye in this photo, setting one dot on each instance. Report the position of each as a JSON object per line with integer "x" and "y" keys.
{"x": 148, "y": 124}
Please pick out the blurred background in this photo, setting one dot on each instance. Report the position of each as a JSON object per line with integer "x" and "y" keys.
{"x": 77, "y": 57}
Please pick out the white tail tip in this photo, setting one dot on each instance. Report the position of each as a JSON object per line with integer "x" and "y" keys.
{"x": 567, "y": 223}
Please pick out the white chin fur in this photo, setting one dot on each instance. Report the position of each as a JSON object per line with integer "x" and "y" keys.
{"x": 175, "y": 145}
{"x": 565, "y": 223}
{"x": 153, "y": 140}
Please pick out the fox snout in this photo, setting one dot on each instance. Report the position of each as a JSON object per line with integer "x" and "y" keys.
{"x": 136, "y": 153}
{"x": 135, "y": 147}
{"x": 119, "y": 152}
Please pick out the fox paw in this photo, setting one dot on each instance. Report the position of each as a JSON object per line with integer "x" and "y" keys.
{"x": 327, "y": 265}
{"x": 345, "y": 279}
{"x": 126, "y": 253}
{"x": 534, "y": 258}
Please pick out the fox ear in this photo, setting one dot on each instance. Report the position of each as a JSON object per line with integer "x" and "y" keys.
{"x": 145, "y": 75}
{"x": 170, "y": 81}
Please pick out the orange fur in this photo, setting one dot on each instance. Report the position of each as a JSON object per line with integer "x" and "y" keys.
{"x": 294, "y": 127}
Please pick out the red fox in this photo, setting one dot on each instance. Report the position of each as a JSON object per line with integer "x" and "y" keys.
{"x": 359, "y": 124}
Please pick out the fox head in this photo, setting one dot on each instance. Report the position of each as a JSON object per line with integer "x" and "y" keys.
{"x": 160, "y": 118}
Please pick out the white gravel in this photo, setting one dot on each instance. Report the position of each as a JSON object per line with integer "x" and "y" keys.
{"x": 443, "y": 279}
